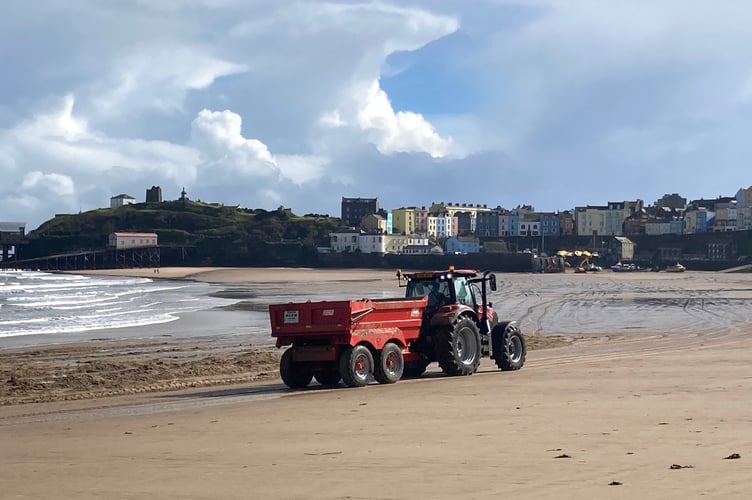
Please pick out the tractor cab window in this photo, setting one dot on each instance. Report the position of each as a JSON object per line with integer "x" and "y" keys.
{"x": 463, "y": 292}
{"x": 438, "y": 291}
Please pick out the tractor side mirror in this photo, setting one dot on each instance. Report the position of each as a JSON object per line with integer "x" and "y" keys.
{"x": 401, "y": 280}
{"x": 492, "y": 282}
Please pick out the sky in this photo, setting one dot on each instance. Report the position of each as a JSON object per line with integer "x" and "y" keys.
{"x": 262, "y": 103}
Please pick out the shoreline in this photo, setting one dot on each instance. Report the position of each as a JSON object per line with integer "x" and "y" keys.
{"x": 231, "y": 275}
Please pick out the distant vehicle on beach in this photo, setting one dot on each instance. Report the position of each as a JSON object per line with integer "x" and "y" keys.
{"x": 676, "y": 268}
{"x": 620, "y": 267}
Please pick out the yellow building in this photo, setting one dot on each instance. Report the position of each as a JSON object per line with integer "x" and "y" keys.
{"x": 404, "y": 220}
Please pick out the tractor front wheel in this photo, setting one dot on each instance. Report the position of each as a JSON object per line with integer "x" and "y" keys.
{"x": 295, "y": 375}
{"x": 356, "y": 366}
{"x": 458, "y": 348}
{"x": 509, "y": 347}
{"x": 389, "y": 364}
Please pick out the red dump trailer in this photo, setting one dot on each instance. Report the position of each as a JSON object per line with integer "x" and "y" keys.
{"x": 346, "y": 340}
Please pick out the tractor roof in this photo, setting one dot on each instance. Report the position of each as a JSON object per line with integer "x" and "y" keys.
{"x": 435, "y": 274}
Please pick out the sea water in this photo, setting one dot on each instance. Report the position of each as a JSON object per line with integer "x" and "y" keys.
{"x": 39, "y": 303}
{"x": 42, "y": 308}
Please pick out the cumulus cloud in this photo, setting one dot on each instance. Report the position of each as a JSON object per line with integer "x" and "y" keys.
{"x": 160, "y": 77}
{"x": 368, "y": 108}
{"x": 302, "y": 169}
{"x": 220, "y": 140}
{"x": 57, "y": 123}
{"x": 55, "y": 160}
{"x": 54, "y": 184}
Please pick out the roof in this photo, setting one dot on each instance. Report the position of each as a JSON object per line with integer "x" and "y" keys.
{"x": 436, "y": 274}
{"x": 123, "y": 196}
{"x": 11, "y": 227}
{"x": 136, "y": 235}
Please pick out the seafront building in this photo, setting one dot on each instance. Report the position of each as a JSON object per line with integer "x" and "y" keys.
{"x": 469, "y": 228}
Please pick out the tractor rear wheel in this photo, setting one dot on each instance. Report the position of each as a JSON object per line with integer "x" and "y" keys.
{"x": 389, "y": 364}
{"x": 328, "y": 377}
{"x": 509, "y": 347}
{"x": 458, "y": 348}
{"x": 356, "y": 366}
{"x": 295, "y": 375}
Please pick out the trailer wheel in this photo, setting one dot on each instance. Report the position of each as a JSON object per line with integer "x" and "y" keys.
{"x": 414, "y": 369}
{"x": 294, "y": 375}
{"x": 356, "y": 366}
{"x": 509, "y": 347}
{"x": 389, "y": 364}
{"x": 458, "y": 348}
{"x": 328, "y": 377}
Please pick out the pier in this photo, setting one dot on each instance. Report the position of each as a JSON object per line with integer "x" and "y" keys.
{"x": 108, "y": 258}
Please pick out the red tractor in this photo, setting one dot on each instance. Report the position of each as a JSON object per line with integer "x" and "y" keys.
{"x": 459, "y": 324}
{"x": 445, "y": 317}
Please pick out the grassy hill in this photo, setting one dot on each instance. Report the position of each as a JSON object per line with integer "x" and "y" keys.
{"x": 216, "y": 234}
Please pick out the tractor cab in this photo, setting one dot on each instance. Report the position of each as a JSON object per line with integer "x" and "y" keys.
{"x": 451, "y": 290}
{"x": 443, "y": 287}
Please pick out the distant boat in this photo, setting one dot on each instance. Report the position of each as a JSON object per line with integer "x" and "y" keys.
{"x": 621, "y": 268}
{"x": 676, "y": 268}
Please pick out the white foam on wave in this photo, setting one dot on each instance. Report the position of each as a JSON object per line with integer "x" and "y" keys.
{"x": 44, "y": 303}
{"x": 155, "y": 320}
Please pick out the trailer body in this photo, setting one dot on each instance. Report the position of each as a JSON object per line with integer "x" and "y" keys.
{"x": 319, "y": 330}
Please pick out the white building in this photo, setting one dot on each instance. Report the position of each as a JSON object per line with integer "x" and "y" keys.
{"x": 451, "y": 210}
{"x": 123, "y": 241}
{"x": 442, "y": 226}
{"x": 591, "y": 220}
{"x": 121, "y": 200}
{"x": 374, "y": 243}
{"x": 398, "y": 243}
{"x": 344, "y": 242}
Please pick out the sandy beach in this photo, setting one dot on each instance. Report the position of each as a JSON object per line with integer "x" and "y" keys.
{"x": 600, "y": 410}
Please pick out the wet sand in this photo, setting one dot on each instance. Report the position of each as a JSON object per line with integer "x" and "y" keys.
{"x": 646, "y": 398}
